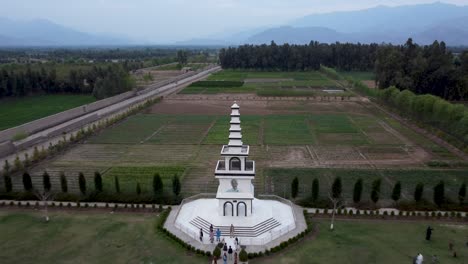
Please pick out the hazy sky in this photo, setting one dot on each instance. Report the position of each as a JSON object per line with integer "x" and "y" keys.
{"x": 159, "y": 21}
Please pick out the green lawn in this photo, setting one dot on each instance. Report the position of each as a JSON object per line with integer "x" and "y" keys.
{"x": 358, "y": 242}
{"x": 282, "y": 178}
{"x": 87, "y": 238}
{"x": 130, "y": 176}
{"x": 22, "y": 110}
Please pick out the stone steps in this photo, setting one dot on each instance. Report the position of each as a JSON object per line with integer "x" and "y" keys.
{"x": 239, "y": 231}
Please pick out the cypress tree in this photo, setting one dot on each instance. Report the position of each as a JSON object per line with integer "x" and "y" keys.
{"x": 462, "y": 193}
{"x": 8, "y": 183}
{"x": 46, "y": 181}
{"x": 138, "y": 188}
{"x": 375, "y": 193}
{"x": 157, "y": 184}
{"x": 63, "y": 182}
{"x": 315, "y": 189}
{"x": 176, "y": 185}
{"x": 337, "y": 188}
{"x": 97, "y": 181}
{"x": 294, "y": 187}
{"x": 439, "y": 193}
{"x": 82, "y": 183}
{"x": 418, "y": 192}
{"x": 117, "y": 184}
{"x": 27, "y": 182}
{"x": 396, "y": 193}
{"x": 357, "y": 192}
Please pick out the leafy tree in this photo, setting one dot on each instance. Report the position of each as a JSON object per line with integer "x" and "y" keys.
{"x": 418, "y": 192}
{"x": 6, "y": 167}
{"x": 97, "y": 181}
{"x": 63, "y": 182}
{"x": 396, "y": 192}
{"x": 375, "y": 193}
{"x": 357, "y": 192}
{"x": 217, "y": 252}
{"x": 117, "y": 184}
{"x": 243, "y": 256}
{"x": 176, "y": 185}
{"x": 315, "y": 189}
{"x": 7, "y": 182}
{"x": 462, "y": 193}
{"x": 46, "y": 181}
{"x": 439, "y": 193}
{"x": 27, "y": 182}
{"x": 157, "y": 184}
{"x": 138, "y": 188}
{"x": 294, "y": 187}
{"x": 82, "y": 183}
{"x": 182, "y": 57}
{"x": 337, "y": 188}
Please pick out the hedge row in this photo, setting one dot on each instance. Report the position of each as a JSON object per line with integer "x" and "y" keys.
{"x": 376, "y": 213}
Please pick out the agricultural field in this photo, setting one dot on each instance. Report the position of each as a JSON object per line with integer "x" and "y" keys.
{"x": 22, "y": 110}
{"x": 305, "y": 138}
{"x": 357, "y": 242}
{"x": 82, "y": 237}
{"x": 268, "y": 84}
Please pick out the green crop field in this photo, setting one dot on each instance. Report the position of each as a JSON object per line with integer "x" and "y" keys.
{"x": 358, "y": 75}
{"x": 281, "y": 179}
{"x": 219, "y": 133}
{"x": 268, "y": 84}
{"x": 22, "y": 110}
{"x": 87, "y": 238}
{"x": 130, "y": 176}
{"x": 357, "y": 242}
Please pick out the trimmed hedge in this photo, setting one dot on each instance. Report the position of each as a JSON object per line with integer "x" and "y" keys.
{"x": 217, "y": 84}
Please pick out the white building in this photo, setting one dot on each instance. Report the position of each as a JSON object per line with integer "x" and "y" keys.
{"x": 235, "y": 173}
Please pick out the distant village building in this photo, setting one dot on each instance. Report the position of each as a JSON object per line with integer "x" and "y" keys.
{"x": 186, "y": 69}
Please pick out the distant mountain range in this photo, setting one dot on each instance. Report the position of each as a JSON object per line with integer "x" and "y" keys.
{"x": 41, "y": 32}
{"x": 424, "y": 23}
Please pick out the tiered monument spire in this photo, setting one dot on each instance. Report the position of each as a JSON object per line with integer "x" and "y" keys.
{"x": 235, "y": 172}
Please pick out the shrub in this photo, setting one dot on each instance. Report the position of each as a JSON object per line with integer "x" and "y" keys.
{"x": 97, "y": 181}
{"x": 176, "y": 185}
{"x": 157, "y": 184}
{"x": 138, "y": 188}
{"x": 315, "y": 189}
{"x": 294, "y": 187}
{"x": 63, "y": 182}
{"x": 439, "y": 193}
{"x": 117, "y": 184}
{"x": 337, "y": 188}
{"x": 8, "y": 183}
{"x": 82, "y": 183}
{"x": 375, "y": 193}
{"x": 462, "y": 193}
{"x": 243, "y": 256}
{"x": 357, "y": 192}
{"x": 46, "y": 181}
{"x": 27, "y": 182}
{"x": 418, "y": 192}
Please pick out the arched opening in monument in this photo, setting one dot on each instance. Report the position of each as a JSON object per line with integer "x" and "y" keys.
{"x": 235, "y": 164}
{"x": 228, "y": 209}
{"x": 241, "y": 209}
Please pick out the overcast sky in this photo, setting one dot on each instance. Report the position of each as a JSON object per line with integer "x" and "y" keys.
{"x": 162, "y": 21}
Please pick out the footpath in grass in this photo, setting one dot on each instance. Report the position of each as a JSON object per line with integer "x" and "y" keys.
{"x": 23, "y": 110}
{"x": 357, "y": 242}
{"x": 87, "y": 238}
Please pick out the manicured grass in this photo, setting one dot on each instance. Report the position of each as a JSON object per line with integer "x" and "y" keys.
{"x": 282, "y": 178}
{"x": 130, "y": 176}
{"x": 357, "y": 242}
{"x": 22, "y": 110}
{"x": 87, "y": 238}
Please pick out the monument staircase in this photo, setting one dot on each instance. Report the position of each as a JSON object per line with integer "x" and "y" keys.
{"x": 239, "y": 231}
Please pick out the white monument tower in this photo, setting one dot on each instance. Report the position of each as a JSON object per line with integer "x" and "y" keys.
{"x": 235, "y": 173}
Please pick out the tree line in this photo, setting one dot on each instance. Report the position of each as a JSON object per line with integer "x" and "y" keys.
{"x": 430, "y": 69}
{"x": 336, "y": 191}
{"x": 102, "y": 81}
{"x": 286, "y": 57}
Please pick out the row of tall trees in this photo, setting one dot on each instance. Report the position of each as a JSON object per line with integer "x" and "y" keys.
{"x": 336, "y": 191}
{"x": 428, "y": 69}
{"x": 102, "y": 81}
{"x": 343, "y": 56}
{"x": 435, "y": 111}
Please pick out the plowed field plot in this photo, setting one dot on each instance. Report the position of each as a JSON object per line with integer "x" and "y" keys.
{"x": 280, "y": 180}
